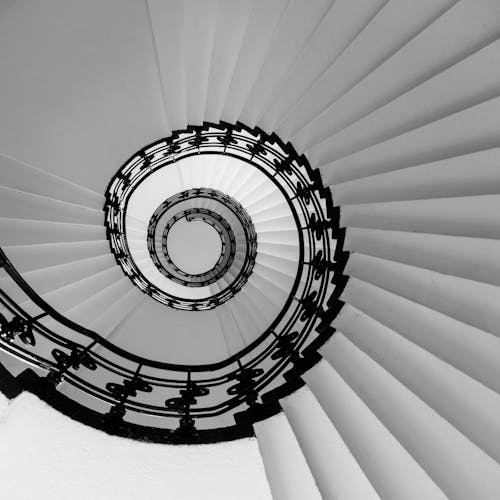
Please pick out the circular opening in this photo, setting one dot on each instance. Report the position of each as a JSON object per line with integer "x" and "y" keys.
{"x": 194, "y": 246}
{"x": 176, "y": 172}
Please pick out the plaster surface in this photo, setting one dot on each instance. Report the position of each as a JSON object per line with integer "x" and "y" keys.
{"x": 3, "y": 403}
{"x": 47, "y": 456}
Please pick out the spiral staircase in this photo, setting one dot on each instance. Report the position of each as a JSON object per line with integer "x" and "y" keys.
{"x": 328, "y": 167}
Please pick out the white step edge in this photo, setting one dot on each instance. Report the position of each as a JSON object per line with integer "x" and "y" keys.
{"x": 377, "y": 451}
{"x": 337, "y": 473}
{"x": 287, "y": 470}
{"x": 459, "y": 467}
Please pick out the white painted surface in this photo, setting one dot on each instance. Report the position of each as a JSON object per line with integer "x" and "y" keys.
{"x": 3, "y": 403}
{"x": 336, "y": 471}
{"x": 460, "y": 468}
{"x": 414, "y": 157}
{"x": 464, "y": 402}
{"x": 468, "y": 301}
{"x": 47, "y": 456}
{"x": 474, "y": 352}
{"x": 194, "y": 246}
{"x": 375, "y": 449}
{"x": 287, "y": 470}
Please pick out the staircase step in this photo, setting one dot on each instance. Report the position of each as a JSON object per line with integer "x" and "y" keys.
{"x": 428, "y": 437}
{"x": 375, "y": 449}
{"x": 470, "y": 258}
{"x": 467, "y": 404}
{"x": 474, "y": 351}
{"x": 451, "y": 177}
{"x": 312, "y": 426}
{"x": 287, "y": 471}
{"x": 465, "y": 300}
{"x": 465, "y": 216}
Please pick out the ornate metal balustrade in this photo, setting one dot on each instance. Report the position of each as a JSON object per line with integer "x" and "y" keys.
{"x": 172, "y": 210}
{"x": 93, "y": 380}
{"x": 223, "y": 264}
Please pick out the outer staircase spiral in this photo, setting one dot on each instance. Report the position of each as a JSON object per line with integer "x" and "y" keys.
{"x": 395, "y": 104}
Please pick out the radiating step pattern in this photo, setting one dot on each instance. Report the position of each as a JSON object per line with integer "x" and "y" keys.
{"x": 410, "y": 150}
{"x": 287, "y": 470}
{"x": 412, "y": 373}
{"x": 397, "y": 103}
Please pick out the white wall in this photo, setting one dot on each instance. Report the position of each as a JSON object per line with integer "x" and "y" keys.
{"x": 45, "y": 455}
{"x": 3, "y": 403}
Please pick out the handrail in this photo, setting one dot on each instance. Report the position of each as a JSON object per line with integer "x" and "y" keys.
{"x": 183, "y": 394}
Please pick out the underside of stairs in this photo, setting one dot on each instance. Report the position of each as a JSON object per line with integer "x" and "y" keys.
{"x": 395, "y": 106}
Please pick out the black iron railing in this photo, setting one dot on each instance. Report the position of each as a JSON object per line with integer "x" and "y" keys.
{"x": 129, "y": 395}
{"x": 172, "y": 210}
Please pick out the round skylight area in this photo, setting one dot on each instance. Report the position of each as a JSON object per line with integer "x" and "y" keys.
{"x": 194, "y": 246}
{"x": 185, "y": 191}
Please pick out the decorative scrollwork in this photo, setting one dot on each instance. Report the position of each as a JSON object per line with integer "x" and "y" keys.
{"x": 64, "y": 361}
{"x": 183, "y": 406}
{"x": 257, "y": 148}
{"x": 321, "y": 265}
{"x": 198, "y": 140}
{"x": 172, "y": 210}
{"x": 187, "y": 397}
{"x": 247, "y": 383}
{"x": 320, "y": 227}
{"x": 17, "y": 327}
{"x": 283, "y": 166}
{"x": 245, "y": 388}
{"x": 227, "y": 139}
{"x": 127, "y": 389}
{"x": 286, "y": 347}
{"x": 310, "y": 306}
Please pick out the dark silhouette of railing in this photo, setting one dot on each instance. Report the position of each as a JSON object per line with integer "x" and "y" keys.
{"x": 132, "y": 396}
